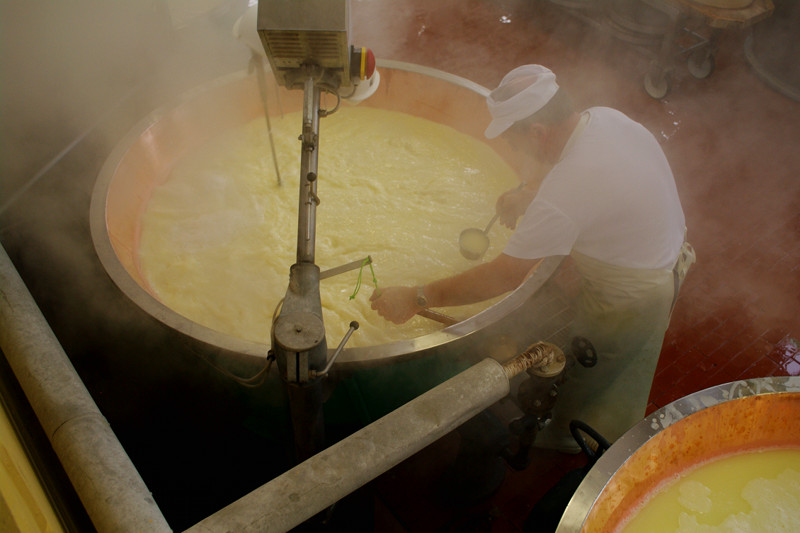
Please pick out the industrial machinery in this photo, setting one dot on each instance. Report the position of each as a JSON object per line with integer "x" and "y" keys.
{"x": 307, "y": 44}
{"x": 140, "y": 365}
{"x": 315, "y": 58}
{"x": 308, "y": 48}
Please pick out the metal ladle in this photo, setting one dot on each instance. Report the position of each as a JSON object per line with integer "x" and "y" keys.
{"x": 473, "y": 242}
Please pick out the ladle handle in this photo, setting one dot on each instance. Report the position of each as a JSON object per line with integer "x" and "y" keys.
{"x": 438, "y": 317}
{"x": 496, "y": 215}
{"x": 489, "y": 225}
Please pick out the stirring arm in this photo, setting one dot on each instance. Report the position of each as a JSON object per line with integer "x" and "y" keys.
{"x": 345, "y": 268}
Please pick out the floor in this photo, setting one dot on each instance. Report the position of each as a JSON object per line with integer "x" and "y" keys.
{"x": 731, "y": 140}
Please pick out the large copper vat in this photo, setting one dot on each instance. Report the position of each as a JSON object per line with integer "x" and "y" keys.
{"x": 722, "y": 420}
{"x": 147, "y": 152}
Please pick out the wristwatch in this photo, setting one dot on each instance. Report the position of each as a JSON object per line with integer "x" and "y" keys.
{"x": 422, "y": 301}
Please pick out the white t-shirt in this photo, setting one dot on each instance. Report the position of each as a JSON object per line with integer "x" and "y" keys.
{"x": 611, "y": 197}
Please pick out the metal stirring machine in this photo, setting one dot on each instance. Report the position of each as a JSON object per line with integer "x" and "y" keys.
{"x": 308, "y": 47}
{"x": 307, "y": 44}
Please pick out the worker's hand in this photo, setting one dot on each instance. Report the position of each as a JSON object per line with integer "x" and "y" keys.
{"x": 396, "y": 304}
{"x": 512, "y": 204}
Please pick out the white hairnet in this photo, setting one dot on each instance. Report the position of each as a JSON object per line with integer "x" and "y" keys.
{"x": 521, "y": 93}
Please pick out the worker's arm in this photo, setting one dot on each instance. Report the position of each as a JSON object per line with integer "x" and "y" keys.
{"x": 485, "y": 281}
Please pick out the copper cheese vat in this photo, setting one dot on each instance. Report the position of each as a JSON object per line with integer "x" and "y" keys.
{"x": 148, "y": 151}
{"x": 723, "y": 420}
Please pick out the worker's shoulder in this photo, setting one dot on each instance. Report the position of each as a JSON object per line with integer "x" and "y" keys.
{"x": 619, "y": 130}
{"x": 609, "y": 115}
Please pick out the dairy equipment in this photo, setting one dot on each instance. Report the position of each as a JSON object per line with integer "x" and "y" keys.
{"x": 161, "y": 139}
{"x": 500, "y": 331}
{"x": 386, "y": 375}
{"x": 116, "y": 497}
{"x": 731, "y": 418}
{"x": 150, "y": 149}
{"x": 134, "y": 344}
{"x": 307, "y": 44}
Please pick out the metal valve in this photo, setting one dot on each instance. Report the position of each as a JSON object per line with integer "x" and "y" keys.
{"x": 584, "y": 351}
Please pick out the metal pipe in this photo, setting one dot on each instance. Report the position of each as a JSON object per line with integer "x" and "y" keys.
{"x": 319, "y": 482}
{"x": 335, "y": 271}
{"x": 105, "y": 479}
{"x": 322, "y": 480}
{"x": 307, "y": 208}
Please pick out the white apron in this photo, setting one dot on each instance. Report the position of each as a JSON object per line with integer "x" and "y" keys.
{"x": 624, "y": 313}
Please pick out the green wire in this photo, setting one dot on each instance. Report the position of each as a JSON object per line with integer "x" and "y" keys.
{"x": 367, "y": 261}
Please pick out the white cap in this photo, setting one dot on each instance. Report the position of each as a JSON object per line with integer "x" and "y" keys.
{"x": 521, "y": 93}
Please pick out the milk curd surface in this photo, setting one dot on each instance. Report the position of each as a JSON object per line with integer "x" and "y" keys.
{"x": 219, "y": 234}
{"x": 752, "y": 492}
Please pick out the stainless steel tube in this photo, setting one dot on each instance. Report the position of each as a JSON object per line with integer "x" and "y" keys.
{"x": 322, "y": 480}
{"x": 309, "y": 155}
{"x": 109, "y": 486}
